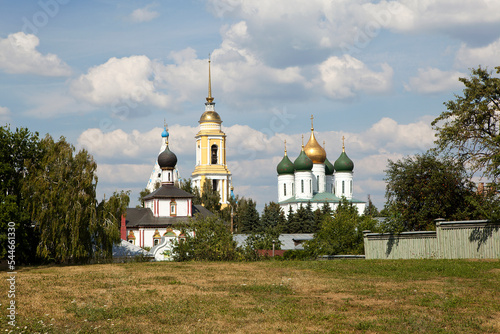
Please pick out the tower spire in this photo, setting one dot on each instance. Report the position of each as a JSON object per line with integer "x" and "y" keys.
{"x": 285, "y": 146}
{"x": 312, "y": 126}
{"x": 343, "y": 146}
{"x": 210, "y": 99}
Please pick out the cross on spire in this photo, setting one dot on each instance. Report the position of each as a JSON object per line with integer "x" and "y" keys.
{"x": 285, "y": 146}
{"x": 343, "y": 146}
{"x": 312, "y": 126}
{"x": 302, "y": 142}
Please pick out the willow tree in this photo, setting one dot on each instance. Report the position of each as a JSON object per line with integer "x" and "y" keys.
{"x": 64, "y": 208}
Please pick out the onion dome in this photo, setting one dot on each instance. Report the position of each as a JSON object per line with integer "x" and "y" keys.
{"x": 164, "y": 134}
{"x": 303, "y": 163}
{"x": 313, "y": 149}
{"x": 210, "y": 116}
{"x": 343, "y": 163}
{"x": 285, "y": 166}
{"x": 329, "y": 169}
{"x": 167, "y": 159}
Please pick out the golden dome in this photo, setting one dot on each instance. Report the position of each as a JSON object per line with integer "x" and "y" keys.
{"x": 313, "y": 149}
{"x": 210, "y": 117}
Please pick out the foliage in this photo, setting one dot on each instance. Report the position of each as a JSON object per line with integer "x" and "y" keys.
{"x": 272, "y": 217}
{"x": 303, "y": 220}
{"x": 210, "y": 197}
{"x": 264, "y": 239}
{"x": 425, "y": 187}
{"x": 247, "y": 216}
{"x": 470, "y": 128}
{"x": 63, "y": 205}
{"x": 210, "y": 241}
{"x": 187, "y": 186}
{"x": 370, "y": 209}
{"x": 342, "y": 233}
{"x": 143, "y": 193}
{"x": 17, "y": 149}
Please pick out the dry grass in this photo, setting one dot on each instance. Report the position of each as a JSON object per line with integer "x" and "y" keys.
{"x": 260, "y": 297}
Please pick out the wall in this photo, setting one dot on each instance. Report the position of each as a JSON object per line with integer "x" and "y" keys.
{"x": 478, "y": 239}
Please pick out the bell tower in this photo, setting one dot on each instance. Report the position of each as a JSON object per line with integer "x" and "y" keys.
{"x": 211, "y": 151}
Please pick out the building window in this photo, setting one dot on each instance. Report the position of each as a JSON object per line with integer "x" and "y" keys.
{"x": 302, "y": 186}
{"x": 214, "y": 184}
{"x": 293, "y": 189}
{"x": 214, "y": 154}
{"x": 343, "y": 187}
{"x": 351, "y": 188}
{"x": 310, "y": 186}
{"x": 284, "y": 190}
{"x": 173, "y": 208}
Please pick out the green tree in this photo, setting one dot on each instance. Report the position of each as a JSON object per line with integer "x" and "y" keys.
{"x": 63, "y": 205}
{"x": 210, "y": 198}
{"x": 210, "y": 241}
{"x": 469, "y": 129}
{"x": 143, "y": 193}
{"x": 247, "y": 216}
{"x": 342, "y": 233}
{"x": 273, "y": 217}
{"x": 187, "y": 186}
{"x": 302, "y": 220}
{"x": 425, "y": 187}
{"x": 371, "y": 209}
{"x": 17, "y": 150}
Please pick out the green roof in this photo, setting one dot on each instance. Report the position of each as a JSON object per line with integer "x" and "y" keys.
{"x": 303, "y": 163}
{"x": 329, "y": 169}
{"x": 320, "y": 198}
{"x": 343, "y": 163}
{"x": 285, "y": 166}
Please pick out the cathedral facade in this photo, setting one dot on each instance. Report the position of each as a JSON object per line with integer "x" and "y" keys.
{"x": 313, "y": 178}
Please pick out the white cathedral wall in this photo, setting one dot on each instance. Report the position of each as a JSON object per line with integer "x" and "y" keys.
{"x": 319, "y": 180}
{"x": 345, "y": 189}
{"x": 285, "y": 180}
{"x": 329, "y": 183}
{"x": 306, "y": 178}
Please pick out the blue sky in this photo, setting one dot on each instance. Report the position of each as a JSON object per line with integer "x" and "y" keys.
{"x": 105, "y": 74}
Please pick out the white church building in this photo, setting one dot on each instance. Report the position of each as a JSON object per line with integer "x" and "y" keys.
{"x": 312, "y": 178}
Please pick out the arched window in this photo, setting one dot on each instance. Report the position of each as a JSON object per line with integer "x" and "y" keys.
{"x": 173, "y": 208}
{"x": 310, "y": 186}
{"x": 214, "y": 151}
{"x": 302, "y": 186}
{"x": 317, "y": 183}
{"x": 343, "y": 187}
{"x": 284, "y": 189}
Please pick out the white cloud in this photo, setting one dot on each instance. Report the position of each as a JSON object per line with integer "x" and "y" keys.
{"x": 128, "y": 80}
{"x": 344, "y": 77}
{"x": 54, "y": 104}
{"x": 123, "y": 173}
{"x": 5, "y": 114}
{"x": 144, "y": 14}
{"x": 433, "y": 80}
{"x": 18, "y": 54}
{"x": 474, "y": 56}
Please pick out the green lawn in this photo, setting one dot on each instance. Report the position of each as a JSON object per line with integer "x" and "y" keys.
{"x": 400, "y": 296}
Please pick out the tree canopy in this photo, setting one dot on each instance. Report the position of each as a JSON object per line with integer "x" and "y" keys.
{"x": 425, "y": 187}
{"x": 470, "y": 128}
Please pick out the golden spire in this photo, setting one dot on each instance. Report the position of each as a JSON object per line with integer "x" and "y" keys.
{"x": 302, "y": 142}
{"x": 324, "y": 145}
{"x": 343, "y": 146}
{"x": 210, "y": 99}
{"x": 285, "y": 146}
{"x": 312, "y": 126}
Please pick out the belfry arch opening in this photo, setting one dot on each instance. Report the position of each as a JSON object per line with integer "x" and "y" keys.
{"x": 214, "y": 154}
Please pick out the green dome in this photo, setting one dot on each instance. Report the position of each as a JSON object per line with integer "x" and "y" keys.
{"x": 285, "y": 166}
{"x": 343, "y": 164}
{"x": 328, "y": 167}
{"x": 303, "y": 163}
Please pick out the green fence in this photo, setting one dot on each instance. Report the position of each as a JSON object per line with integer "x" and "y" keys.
{"x": 478, "y": 239}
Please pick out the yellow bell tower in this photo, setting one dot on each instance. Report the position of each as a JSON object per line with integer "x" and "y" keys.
{"x": 211, "y": 151}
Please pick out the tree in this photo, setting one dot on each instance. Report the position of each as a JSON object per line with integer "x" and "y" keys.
{"x": 187, "y": 186}
{"x": 469, "y": 129}
{"x": 143, "y": 193}
{"x": 210, "y": 198}
{"x": 371, "y": 209}
{"x": 342, "y": 233}
{"x": 425, "y": 187}
{"x": 210, "y": 241}
{"x": 247, "y": 216}
{"x": 63, "y": 205}
{"x": 302, "y": 220}
{"x": 273, "y": 217}
{"x": 17, "y": 149}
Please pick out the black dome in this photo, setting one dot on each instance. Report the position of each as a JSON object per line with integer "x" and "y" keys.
{"x": 167, "y": 159}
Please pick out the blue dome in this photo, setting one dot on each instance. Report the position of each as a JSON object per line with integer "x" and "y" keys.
{"x": 164, "y": 134}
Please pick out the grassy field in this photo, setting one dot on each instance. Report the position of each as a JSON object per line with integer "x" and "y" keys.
{"x": 428, "y": 296}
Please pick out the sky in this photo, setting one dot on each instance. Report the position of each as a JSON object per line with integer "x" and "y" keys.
{"x": 106, "y": 74}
